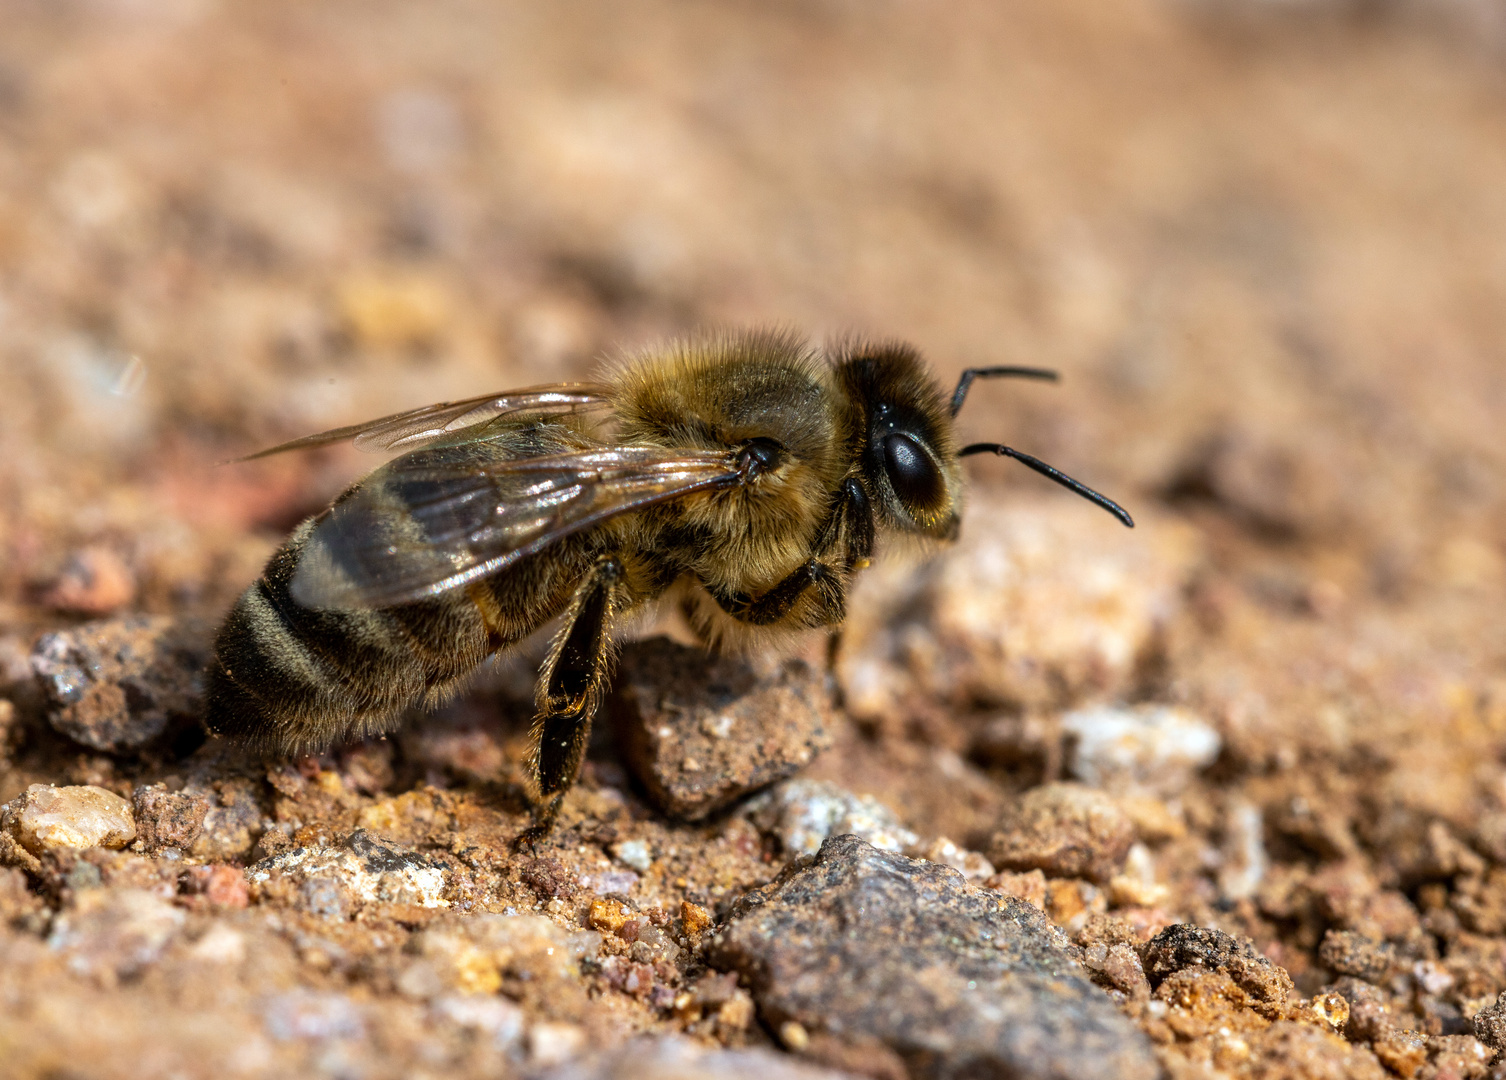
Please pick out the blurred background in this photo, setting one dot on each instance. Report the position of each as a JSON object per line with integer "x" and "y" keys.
{"x": 1265, "y": 242}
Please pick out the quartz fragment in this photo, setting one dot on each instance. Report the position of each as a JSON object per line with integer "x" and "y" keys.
{"x": 1154, "y": 748}
{"x": 44, "y": 817}
{"x": 335, "y": 881}
{"x": 803, "y": 813}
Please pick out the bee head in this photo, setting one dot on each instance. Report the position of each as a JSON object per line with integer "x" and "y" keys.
{"x": 901, "y": 431}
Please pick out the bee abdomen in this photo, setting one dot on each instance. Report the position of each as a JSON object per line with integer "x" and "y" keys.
{"x": 294, "y": 679}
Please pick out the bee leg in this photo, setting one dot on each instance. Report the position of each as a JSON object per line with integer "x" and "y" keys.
{"x": 851, "y": 518}
{"x": 570, "y": 692}
{"x": 779, "y": 601}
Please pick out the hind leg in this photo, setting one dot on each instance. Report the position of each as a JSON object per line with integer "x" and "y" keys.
{"x": 570, "y": 690}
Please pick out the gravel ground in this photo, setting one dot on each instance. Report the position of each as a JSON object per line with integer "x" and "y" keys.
{"x": 1221, "y": 797}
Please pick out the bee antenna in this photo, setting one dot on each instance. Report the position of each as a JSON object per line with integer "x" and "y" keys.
{"x": 1051, "y": 473}
{"x": 965, "y": 383}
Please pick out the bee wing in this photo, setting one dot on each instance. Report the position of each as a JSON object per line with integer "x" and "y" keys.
{"x": 421, "y": 427}
{"x": 421, "y": 527}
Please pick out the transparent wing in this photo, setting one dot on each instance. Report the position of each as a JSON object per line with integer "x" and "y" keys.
{"x": 432, "y": 423}
{"x": 422, "y": 525}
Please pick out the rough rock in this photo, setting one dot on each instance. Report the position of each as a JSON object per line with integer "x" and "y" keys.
{"x": 1004, "y": 617}
{"x": 1463, "y": 1056}
{"x": 1154, "y": 748}
{"x": 1288, "y": 1049}
{"x": 233, "y": 822}
{"x": 1030, "y": 886}
{"x": 803, "y": 813}
{"x": 702, "y": 731}
{"x": 678, "y": 1059}
{"x": 336, "y": 881}
{"x": 119, "y": 685}
{"x": 168, "y": 819}
{"x": 112, "y": 934}
{"x": 1490, "y": 1024}
{"x": 1065, "y": 830}
{"x": 1182, "y": 946}
{"x": 1349, "y": 953}
{"x": 480, "y": 953}
{"x": 45, "y": 817}
{"x": 865, "y": 945}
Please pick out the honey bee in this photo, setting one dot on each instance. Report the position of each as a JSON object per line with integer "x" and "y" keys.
{"x": 748, "y": 473}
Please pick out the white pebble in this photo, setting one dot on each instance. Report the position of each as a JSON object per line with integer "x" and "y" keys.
{"x": 634, "y": 853}
{"x": 1158, "y": 747}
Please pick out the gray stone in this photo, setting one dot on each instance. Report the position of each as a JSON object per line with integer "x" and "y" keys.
{"x": 867, "y": 946}
{"x": 119, "y": 685}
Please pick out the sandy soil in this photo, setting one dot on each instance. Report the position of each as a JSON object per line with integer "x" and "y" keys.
{"x": 1264, "y": 243}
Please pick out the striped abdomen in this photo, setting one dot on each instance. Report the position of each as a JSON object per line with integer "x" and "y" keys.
{"x": 292, "y": 679}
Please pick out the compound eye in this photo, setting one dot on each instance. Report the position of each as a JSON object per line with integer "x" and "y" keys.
{"x": 914, "y": 476}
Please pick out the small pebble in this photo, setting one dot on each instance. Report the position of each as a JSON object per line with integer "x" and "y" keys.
{"x": 46, "y": 817}
{"x": 1065, "y": 830}
{"x": 496, "y": 1017}
{"x": 553, "y": 1043}
{"x": 94, "y": 581}
{"x": 335, "y": 881}
{"x": 803, "y": 813}
{"x": 1154, "y": 747}
{"x": 969, "y": 864}
{"x": 634, "y": 853}
{"x": 114, "y": 933}
{"x": 168, "y": 819}
{"x": 119, "y": 685}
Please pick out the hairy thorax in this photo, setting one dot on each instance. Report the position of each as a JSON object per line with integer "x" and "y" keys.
{"x": 746, "y": 539}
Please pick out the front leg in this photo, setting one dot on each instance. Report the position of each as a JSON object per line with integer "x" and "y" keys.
{"x": 850, "y": 520}
{"x": 776, "y": 604}
{"x": 570, "y": 691}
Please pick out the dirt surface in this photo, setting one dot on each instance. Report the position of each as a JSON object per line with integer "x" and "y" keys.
{"x": 1227, "y": 792}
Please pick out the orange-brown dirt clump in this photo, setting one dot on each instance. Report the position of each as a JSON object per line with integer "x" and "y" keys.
{"x": 1224, "y": 796}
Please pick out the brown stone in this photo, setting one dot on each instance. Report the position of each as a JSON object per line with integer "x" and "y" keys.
{"x": 703, "y": 731}
{"x": 119, "y": 685}
{"x": 168, "y": 819}
{"x": 1182, "y": 946}
{"x": 1065, "y": 830}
